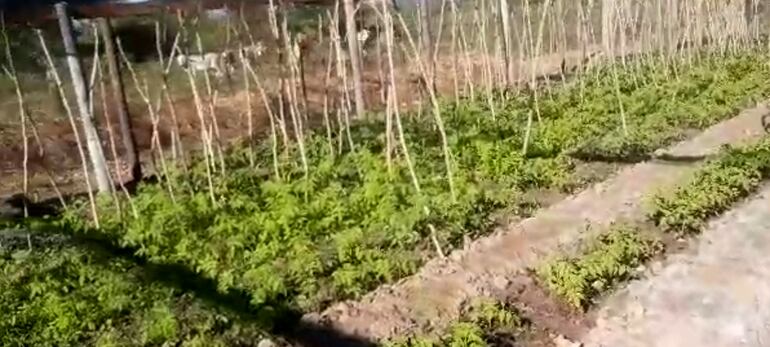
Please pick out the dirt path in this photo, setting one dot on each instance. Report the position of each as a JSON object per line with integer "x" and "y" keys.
{"x": 438, "y": 292}
{"x": 715, "y": 294}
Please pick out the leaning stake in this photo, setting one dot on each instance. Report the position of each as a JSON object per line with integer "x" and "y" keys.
{"x": 119, "y": 97}
{"x": 92, "y": 137}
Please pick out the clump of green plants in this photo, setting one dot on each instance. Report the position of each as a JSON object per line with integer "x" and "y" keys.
{"x": 485, "y": 323}
{"x": 69, "y": 295}
{"x": 659, "y": 109}
{"x": 713, "y": 189}
{"x": 304, "y": 232}
{"x": 609, "y": 259}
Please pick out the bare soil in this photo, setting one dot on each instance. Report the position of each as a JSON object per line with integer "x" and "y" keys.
{"x": 712, "y": 292}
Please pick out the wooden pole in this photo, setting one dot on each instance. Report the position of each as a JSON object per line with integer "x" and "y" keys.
{"x": 355, "y": 58}
{"x": 505, "y": 22}
{"x": 427, "y": 44}
{"x": 95, "y": 152}
{"x": 119, "y": 98}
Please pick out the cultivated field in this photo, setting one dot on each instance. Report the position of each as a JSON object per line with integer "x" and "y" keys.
{"x": 508, "y": 173}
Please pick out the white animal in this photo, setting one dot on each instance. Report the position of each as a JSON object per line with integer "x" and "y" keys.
{"x": 362, "y": 37}
{"x": 202, "y": 62}
{"x": 219, "y": 62}
{"x": 219, "y": 14}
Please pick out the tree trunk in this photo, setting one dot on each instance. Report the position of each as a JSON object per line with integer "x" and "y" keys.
{"x": 119, "y": 98}
{"x": 92, "y": 136}
{"x": 355, "y": 58}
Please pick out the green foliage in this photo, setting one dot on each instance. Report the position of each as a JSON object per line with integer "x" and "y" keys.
{"x": 70, "y": 296}
{"x": 352, "y": 222}
{"x": 610, "y": 259}
{"x": 713, "y": 189}
{"x": 484, "y": 323}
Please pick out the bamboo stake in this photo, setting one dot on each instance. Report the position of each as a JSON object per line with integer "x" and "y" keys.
{"x": 270, "y": 114}
{"x": 327, "y": 78}
{"x": 291, "y": 94}
{"x": 10, "y": 71}
{"x": 481, "y": 22}
{"x": 342, "y": 73}
{"x": 177, "y": 148}
{"x": 436, "y": 49}
{"x": 454, "y": 49}
{"x": 536, "y": 54}
{"x": 205, "y": 137}
{"x": 211, "y": 96}
{"x": 96, "y": 72}
{"x": 245, "y": 64}
{"x": 355, "y": 59}
{"x": 505, "y": 22}
{"x": 436, "y": 113}
{"x": 143, "y": 91}
{"x": 71, "y": 118}
{"x": 95, "y": 69}
{"x": 119, "y": 97}
{"x": 467, "y": 64}
{"x": 113, "y": 146}
{"x": 249, "y": 105}
{"x": 27, "y": 118}
{"x": 274, "y": 29}
{"x": 426, "y": 39}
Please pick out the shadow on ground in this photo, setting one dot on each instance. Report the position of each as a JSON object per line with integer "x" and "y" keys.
{"x": 282, "y": 321}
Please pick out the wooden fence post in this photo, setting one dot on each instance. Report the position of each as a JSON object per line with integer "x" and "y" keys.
{"x": 95, "y": 152}
{"x": 119, "y": 98}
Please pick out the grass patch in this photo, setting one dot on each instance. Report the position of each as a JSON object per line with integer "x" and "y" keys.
{"x": 608, "y": 260}
{"x": 716, "y": 187}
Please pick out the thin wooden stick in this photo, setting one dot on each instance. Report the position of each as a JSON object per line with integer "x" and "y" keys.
{"x": 177, "y": 148}
{"x": 143, "y": 91}
{"x": 270, "y": 114}
{"x": 436, "y": 112}
{"x": 10, "y": 71}
{"x": 327, "y": 78}
{"x": 113, "y": 146}
{"x": 211, "y": 96}
{"x": 342, "y": 73}
{"x": 393, "y": 105}
{"x": 290, "y": 92}
{"x": 71, "y": 118}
